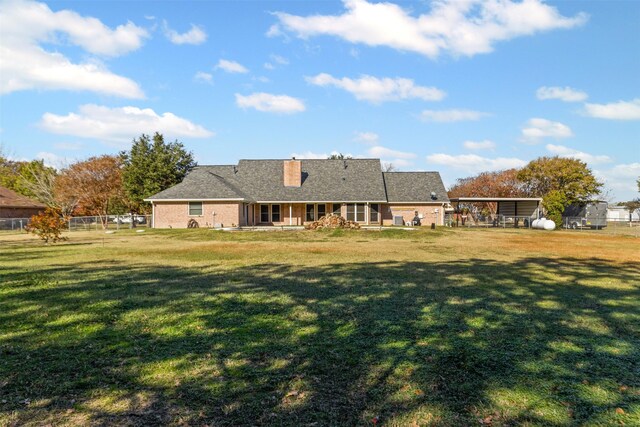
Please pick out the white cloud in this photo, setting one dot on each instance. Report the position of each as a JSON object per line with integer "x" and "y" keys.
{"x": 52, "y": 160}
{"x": 195, "y": 35}
{"x": 458, "y": 27}
{"x": 375, "y": 90}
{"x": 621, "y": 110}
{"x": 25, "y": 63}
{"x": 563, "y": 151}
{"x": 313, "y": 155}
{"x": 201, "y": 76}
{"x": 472, "y": 163}
{"x": 120, "y": 124}
{"x": 451, "y": 115}
{"x": 310, "y": 155}
{"x": 479, "y": 145}
{"x": 622, "y": 179}
{"x": 384, "y": 152}
{"x": 367, "y": 137}
{"x": 275, "y": 60}
{"x": 231, "y": 66}
{"x": 565, "y": 94}
{"x": 542, "y": 128}
{"x": 267, "y": 102}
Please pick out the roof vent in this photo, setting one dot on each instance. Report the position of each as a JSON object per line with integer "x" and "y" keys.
{"x": 235, "y": 169}
{"x": 344, "y": 163}
{"x": 433, "y": 195}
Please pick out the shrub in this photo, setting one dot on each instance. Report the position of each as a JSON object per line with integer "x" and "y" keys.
{"x": 554, "y": 203}
{"x": 47, "y": 225}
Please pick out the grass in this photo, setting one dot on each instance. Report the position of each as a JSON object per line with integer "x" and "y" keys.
{"x": 446, "y": 328}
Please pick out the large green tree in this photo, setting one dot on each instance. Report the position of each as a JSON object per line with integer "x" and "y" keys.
{"x": 24, "y": 177}
{"x": 560, "y": 182}
{"x": 151, "y": 166}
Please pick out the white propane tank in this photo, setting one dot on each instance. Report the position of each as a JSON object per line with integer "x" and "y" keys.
{"x": 534, "y": 224}
{"x": 540, "y": 225}
{"x": 549, "y": 225}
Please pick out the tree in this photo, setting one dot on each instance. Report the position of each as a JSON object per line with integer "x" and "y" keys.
{"x": 95, "y": 184}
{"x": 152, "y": 166}
{"x": 35, "y": 180}
{"x": 47, "y": 225}
{"x": 571, "y": 176}
{"x": 388, "y": 167}
{"x": 22, "y": 176}
{"x": 339, "y": 156}
{"x": 560, "y": 182}
{"x": 489, "y": 184}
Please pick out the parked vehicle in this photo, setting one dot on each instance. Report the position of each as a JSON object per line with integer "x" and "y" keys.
{"x": 585, "y": 215}
{"x": 126, "y": 219}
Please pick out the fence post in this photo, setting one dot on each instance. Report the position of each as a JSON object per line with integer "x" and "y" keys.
{"x": 69, "y": 224}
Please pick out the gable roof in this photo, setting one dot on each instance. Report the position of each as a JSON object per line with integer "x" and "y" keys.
{"x": 414, "y": 187}
{"x": 323, "y": 180}
{"x": 11, "y": 199}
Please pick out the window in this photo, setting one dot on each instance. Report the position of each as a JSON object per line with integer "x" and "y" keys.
{"x": 311, "y": 213}
{"x": 275, "y": 213}
{"x": 351, "y": 213}
{"x": 355, "y": 212}
{"x": 322, "y": 210}
{"x": 337, "y": 209}
{"x": 264, "y": 213}
{"x": 195, "y": 208}
{"x": 360, "y": 212}
{"x": 374, "y": 214}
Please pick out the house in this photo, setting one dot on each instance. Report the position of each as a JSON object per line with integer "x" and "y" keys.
{"x": 621, "y": 213}
{"x": 14, "y": 205}
{"x": 295, "y": 192}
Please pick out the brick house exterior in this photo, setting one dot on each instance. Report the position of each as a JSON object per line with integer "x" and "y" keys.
{"x": 14, "y": 205}
{"x": 294, "y": 192}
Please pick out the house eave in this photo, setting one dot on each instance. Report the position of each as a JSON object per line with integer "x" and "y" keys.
{"x": 193, "y": 199}
{"x": 320, "y": 201}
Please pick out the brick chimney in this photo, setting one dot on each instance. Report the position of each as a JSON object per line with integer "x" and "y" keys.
{"x": 292, "y": 173}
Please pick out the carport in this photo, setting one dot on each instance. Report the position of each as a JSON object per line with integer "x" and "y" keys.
{"x": 510, "y": 211}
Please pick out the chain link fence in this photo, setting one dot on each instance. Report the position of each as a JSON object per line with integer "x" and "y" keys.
{"x": 616, "y": 228}
{"x": 84, "y": 223}
{"x": 109, "y": 222}
{"x": 485, "y": 221}
{"x": 13, "y": 225}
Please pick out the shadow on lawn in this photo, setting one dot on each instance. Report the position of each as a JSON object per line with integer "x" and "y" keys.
{"x": 534, "y": 341}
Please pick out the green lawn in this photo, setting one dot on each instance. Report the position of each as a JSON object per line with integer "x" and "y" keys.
{"x": 444, "y": 328}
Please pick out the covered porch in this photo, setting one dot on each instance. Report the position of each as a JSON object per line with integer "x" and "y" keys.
{"x": 270, "y": 213}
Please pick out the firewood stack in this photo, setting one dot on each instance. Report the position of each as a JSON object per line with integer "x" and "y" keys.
{"x": 330, "y": 222}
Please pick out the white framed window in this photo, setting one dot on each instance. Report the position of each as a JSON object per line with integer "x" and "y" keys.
{"x": 374, "y": 212}
{"x": 337, "y": 209}
{"x": 311, "y": 212}
{"x": 270, "y": 213}
{"x": 195, "y": 208}
{"x": 275, "y": 213}
{"x": 355, "y": 212}
{"x": 322, "y": 210}
{"x": 264, "y": 213}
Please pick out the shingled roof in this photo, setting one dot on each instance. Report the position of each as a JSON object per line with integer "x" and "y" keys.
{"x": 11, "y": 199}
{"x": 414, "y": 187}
{"x": 323, "y": 180}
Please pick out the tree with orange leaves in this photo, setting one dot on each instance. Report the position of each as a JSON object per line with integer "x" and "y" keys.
{"x": 94, "y": 184}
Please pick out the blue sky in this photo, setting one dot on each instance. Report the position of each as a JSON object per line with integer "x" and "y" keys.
{"x": 457, "y": 87}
